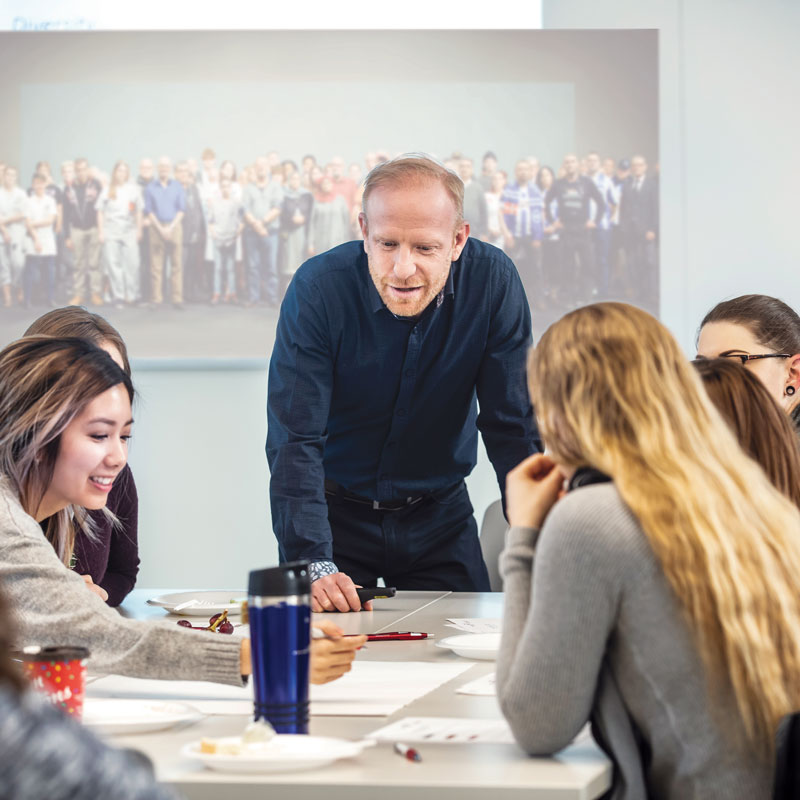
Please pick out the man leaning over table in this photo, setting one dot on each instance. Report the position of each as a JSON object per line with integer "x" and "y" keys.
{"x": 383, "y": 351}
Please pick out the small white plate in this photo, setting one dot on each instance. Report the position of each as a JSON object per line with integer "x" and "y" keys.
{"x": 111, "y": 715}
{"x": 200, "y": 604}
{"x": 480, "y": 646}
{"x": 283, "y": 753}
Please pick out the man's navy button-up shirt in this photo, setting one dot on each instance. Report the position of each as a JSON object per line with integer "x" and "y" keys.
{"x": 387, "y": 407}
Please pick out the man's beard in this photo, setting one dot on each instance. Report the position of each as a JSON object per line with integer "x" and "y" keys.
{"x": 408, "y": 309}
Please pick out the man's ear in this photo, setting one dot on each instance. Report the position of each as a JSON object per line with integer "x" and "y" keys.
{"x": 362, "y": 223}
{"x": 462, "y": 234}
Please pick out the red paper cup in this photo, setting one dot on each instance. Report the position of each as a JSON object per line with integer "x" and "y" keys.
{"x": 60, "y": 674}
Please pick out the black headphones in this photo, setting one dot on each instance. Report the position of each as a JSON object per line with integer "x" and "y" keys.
{"x": 586, "y": 476}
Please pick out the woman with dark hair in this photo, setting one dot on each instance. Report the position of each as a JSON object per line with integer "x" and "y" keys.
{"x": 764, "y": 334}
{"x": 108, "y": 560}
{"x": 65, "y": 421}
{"x": 762, "y": 428}
{"x": 46, "y": 754}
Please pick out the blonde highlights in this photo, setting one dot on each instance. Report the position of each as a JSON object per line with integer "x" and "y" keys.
{"x": 613, "y": 390}
{"x": 44, "y": 384}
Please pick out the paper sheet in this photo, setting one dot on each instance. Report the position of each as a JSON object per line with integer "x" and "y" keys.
{"x": 456, "y": 730}
{"x": 482, "y": 687}
{"x": 371, "y": 688}
{"x": 445, "y": 730}
{"x": 475, "y": 625}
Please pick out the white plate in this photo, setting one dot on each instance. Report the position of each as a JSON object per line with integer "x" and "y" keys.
{"x": 283, "y": 753}
{"x": 481, "y": 646}
{"x": 111, "y": 715}
{"x": 204, "y": 604}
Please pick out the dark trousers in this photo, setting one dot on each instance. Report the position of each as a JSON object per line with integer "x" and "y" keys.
{"x": 602, "y": 253}
{"x": 144, "y": 264}
{"x": 642, "y": 257}
{"x": 195, "y": 279}
{"x": 432, "y": 545}
{"x": 262, "y": 267}
{"x": 577, "y": 262}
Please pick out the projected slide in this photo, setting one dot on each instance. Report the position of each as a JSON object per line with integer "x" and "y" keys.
{"x": 175, "y": 181}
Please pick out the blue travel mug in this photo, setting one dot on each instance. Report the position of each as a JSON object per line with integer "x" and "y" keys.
{"x": 279, "y": 610}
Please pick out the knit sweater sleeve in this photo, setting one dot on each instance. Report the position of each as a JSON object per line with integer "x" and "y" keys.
{"x": 52, "y": 606}
{"x": 562, "y": 591}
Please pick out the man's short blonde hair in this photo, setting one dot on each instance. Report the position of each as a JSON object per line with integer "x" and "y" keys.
{"x": 410, "y": 168}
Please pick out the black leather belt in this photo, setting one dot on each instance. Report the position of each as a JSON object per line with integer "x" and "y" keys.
{"x": 335, "y": 490}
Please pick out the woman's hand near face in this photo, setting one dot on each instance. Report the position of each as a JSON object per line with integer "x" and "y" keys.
{"x": 333, "y": 656}
{"x": 532, "y": 489}
{"x": 93, "y": 587}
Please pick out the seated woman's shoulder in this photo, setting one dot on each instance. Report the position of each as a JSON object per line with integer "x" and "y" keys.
{"x": 596, "y": 517}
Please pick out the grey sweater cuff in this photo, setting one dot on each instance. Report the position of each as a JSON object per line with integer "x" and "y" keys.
{"x": 518, "y": 535}
{"x": 519, "y": 549}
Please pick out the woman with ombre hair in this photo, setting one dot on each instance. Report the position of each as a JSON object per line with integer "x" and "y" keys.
{"x": 65, "y": 420}
{"x": 662, "y": 604}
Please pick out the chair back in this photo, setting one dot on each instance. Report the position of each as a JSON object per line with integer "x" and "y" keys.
{"x": 787, "y": 762}
{"x": 492, "y": 538}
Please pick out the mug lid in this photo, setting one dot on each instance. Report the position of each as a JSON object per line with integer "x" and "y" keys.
{"x": 54, "y": 653}
{"x": 287, "y": 580}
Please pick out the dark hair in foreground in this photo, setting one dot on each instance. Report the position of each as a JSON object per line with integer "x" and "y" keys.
{"x": 760, "y": 424}
{"x": 44, "y": 384}
{"x": 76, "y": 321}
{"x": 773, "y": 323}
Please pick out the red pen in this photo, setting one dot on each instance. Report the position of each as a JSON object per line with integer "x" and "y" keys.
{"x": 397, "y": 636}
{"x": 407, "y": 752}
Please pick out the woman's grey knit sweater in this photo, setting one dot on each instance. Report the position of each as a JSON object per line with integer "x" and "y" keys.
{"x": 592, "y": 630}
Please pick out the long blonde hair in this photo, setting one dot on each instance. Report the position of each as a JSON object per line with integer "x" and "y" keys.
{"x": 44, "y": 384}
{"x": 612, "y": 390}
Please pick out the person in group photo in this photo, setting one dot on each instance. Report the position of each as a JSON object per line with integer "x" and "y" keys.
{"x": 40, "y": 266}
{"x": 119, "y": 230}
{"x": 763, "y": 333}
{"x": 13, "y": 212}
{"x": 634, "y": 545}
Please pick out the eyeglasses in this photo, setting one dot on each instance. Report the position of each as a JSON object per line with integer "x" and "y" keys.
{"x": 745, "y": 357}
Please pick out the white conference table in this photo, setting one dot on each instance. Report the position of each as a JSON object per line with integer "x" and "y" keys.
{"x": 466, "y": 772}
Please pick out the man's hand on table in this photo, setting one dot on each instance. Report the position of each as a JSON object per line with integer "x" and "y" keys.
{"x": 336, "y": 592}
{"x": 333, "y": 656}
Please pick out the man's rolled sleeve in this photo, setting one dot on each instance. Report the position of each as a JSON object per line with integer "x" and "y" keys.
{"x": 298, "y": 403}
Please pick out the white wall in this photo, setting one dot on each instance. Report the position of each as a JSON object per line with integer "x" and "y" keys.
{"x": 729, "y": 218}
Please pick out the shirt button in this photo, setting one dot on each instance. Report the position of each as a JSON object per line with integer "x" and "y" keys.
{"x": 391, "y": 444}
{"x": 401, "y": 412}
{"x": 384, "y": 477}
